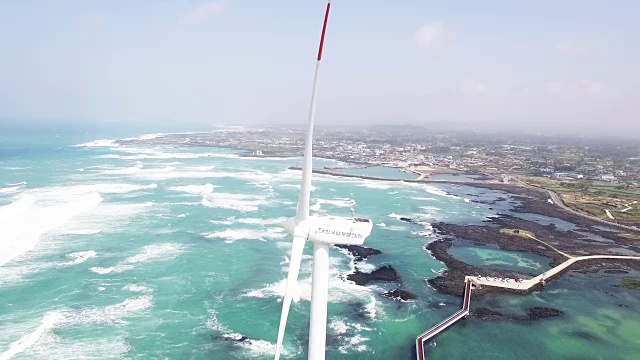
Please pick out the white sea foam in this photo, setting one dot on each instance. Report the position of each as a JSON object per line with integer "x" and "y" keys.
{"x": 337, "y": 202}
{"x": 254, "y": 347}
{"x": 222, "y": 222}
{"x": 102, "y": 270}
{"x": 365, "y": 267}
{"x": 48, "y": 322}
{"x": 260, "y": 221}
{"x": 138, "y": 169}
{"x": 436, "y": 191}
{"x": 297, "y": 186}
{"x": 136, "y": 288}
{"x": 111, "y": 314}
{"x": 395, "y": 228}
{"x": 99, "y": 143}
{"x": 375, "y": 184}
{"x": 340, "y": 291}
{"x": 148, "y": 136}
{"x": 232, "y": 235}
{"x": 395, "y": 216}
{"x": 194, "y": 189}
{"x": 25, "y": 220}
{"x": 350, "y": 333}
{"x": 54, "y": 347}
{"x": 60, "y": 193}
{"x": 11, "y": 189}
{"x": 240, "y": 202}
{"x": 17, "y": 184}
{"x": 170, "y": 172}
{"x": 80, "y": 257}
{"x": 419, "y": 198}
{"x": 154, "y": 154}
{"x": 153, "y": 252}
{"x": 259, "y": 348}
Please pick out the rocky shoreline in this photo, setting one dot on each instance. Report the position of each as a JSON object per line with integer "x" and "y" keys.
{"x": 385, "y": 273}
{"x": 574, "y": 242}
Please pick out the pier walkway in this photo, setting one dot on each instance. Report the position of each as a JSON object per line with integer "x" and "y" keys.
{"x": 522, "y": 285}
{"x": 420, "y": 340}
{"x": 525, "y": 285}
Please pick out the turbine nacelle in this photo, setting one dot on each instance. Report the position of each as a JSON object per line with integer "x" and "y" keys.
{"x": 331, "y": 229}
{"x": 339, "y": 230}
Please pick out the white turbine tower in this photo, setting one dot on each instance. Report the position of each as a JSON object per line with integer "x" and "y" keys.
{"x": 322, "y": 231}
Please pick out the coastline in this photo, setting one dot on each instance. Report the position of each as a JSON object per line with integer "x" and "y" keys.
{"x": 534, "y": 201}
{"x": 540, "y": 207}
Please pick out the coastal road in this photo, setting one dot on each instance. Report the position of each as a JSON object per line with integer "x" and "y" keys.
{"x": 558, "y": 201}
{"x": 549, "y": 245}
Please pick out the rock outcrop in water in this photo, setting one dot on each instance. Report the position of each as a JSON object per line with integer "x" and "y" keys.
{"x": 385, "y": 273}
{"x": 359, "y": 253}
{"x": 533, "y": 314}
{"x": 539, "y": 312}
{"x": 399, "y": 295}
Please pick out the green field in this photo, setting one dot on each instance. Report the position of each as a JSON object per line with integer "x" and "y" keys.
{"x": 594, "y": 197}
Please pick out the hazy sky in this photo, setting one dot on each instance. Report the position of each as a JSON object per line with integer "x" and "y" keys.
{"x": 530, "y": 65}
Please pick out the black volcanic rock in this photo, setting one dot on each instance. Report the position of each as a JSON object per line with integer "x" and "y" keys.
{"x": 538, "y": 312}
{"x": 399, "y": 295}
{"x": 385, "y": 273}
{"x": 235, "y": 338}
{"x": 359, "y": 253}
{"x": 533, "y": 314}
{"x": 486, "y": 314}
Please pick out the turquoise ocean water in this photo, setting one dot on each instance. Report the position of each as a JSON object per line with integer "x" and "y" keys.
{"x": 148, "y": 252}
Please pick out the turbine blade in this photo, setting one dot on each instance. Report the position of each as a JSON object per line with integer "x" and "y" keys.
{"x": 292, "y": 279}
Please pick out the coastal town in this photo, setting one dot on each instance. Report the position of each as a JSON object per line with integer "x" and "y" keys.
{"x": 614, "y": 161}
{"x": 599, "y": 177}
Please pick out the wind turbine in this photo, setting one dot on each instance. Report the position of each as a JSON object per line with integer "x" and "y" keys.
{"x": 322, "y": 231}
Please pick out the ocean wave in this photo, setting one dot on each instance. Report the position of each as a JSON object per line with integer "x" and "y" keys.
{"x": 337, "y": 202}
{"x": 47, "y": 323}
{"x": 149, "y": 136}
{"x": 111, "y": 314}
{"x": 61, "y": 193}
{"x": 153, "y": 252}
{"x": 436, "y": 191}
{"x": 261, "y": 221}
{"x": 151, "y": 154}
{"x": 11, "y": 189}
{"x": 340, "y": 291}
{"x": 136, "y": 288}
{"x": 252, "y": 347}
{"x": 240, "y": 202}
{"x": 23, "y": 222}
{"x": 102, "y": 270}
{"x": 80, "y": 257}
{"x": 350, "y": 333}
{"x": 375, "y": 184}
{"x": 420, "y": 198}
{"x": 99, "y": 143}
{"x": 232, "y": 235}
{"x": 21, "y": 183}
{"x": 297, "y": 186}
{"x": 194, "y": 189}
